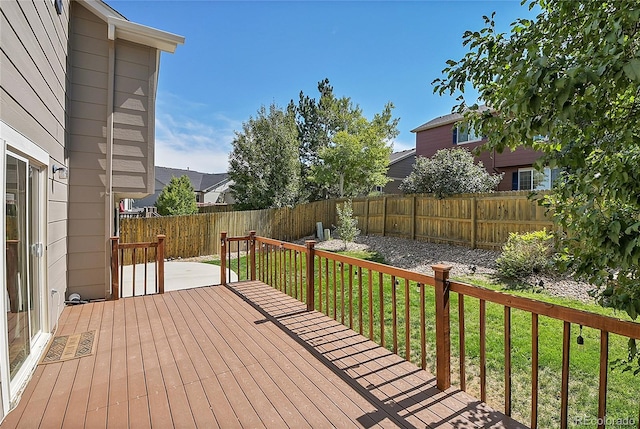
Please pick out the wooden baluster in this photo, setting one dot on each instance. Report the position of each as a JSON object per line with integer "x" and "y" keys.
{"x": 115, "y": 287}
{"x": 350, "y": 296}
{"x": 370, "y": 303}
{"x": 252, "y": 254}
{"x": 326, "y": 276}
{"x": 507, "y": 361}
{"x": 534, "y": 370}
{"x": 483, "y": 350}
{"x": 423, "y": 329}
{"x": 407, "y": 324}
{"x": 394, "y": 310}
{"x": 381, "y": 291}
{"x": 133, "y": 258}
{"x": 335, "y": 293}
{"x": 320, "y": 284}
{"x": 463, "y": 375}
{"x": 602, "y": 391}
{"x": 564, "y": 390}
{"x": 360, "y": 300}
{"x": 160, "y": 263}
{"x": 223, "y": 258}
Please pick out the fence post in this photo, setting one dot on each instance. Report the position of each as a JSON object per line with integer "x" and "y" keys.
{"x": 223, "y": 258}
{"x": 413, "y": 218}
{"x": 115, "y": 290}
{"x": 160, "y": 263}
{"x": 310, "y": 274}
{"x": 384, "y": 215}
{"x": 366, "y": 216}
{"x": 474, "y": 223}
{"x": 443, "y": 337}
{"x": 252, "y": 254}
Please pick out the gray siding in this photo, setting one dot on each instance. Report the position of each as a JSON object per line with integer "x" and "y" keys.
{"x": 89, "y": 60}
{"x": 398, "y": 172}
{"x": 33, "y": 101}
{"x": 134, "y": 117}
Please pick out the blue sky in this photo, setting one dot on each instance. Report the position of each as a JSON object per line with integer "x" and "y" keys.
{"x": 239, "y": 55}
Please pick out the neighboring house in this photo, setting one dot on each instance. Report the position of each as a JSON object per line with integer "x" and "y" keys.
{"x": 77, "y": 111}
{"x": 400, "y": 166}
{"x": 209, "y": 188}
{"x": 448, "y": 131}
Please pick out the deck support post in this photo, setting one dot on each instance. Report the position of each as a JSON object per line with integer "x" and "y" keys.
{"x": 252, "y": 254}
{"x": 310, "y": 274}
{"x": 223, "y": 258}
{"x": 115, "y": 290}
{"x": 443, "y": 334}
{"x": 160, "y": 262}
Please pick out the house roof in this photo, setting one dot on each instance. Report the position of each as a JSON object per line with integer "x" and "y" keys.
{"x": 399, "y": 156}
{"x": 121, "y": 28}
{"x": 444, "y": 120}
{"x": 200, "y": 181}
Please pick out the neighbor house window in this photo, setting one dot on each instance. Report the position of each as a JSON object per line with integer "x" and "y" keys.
{"x": 530, "y": 179}
{"x": 464, "y": 134}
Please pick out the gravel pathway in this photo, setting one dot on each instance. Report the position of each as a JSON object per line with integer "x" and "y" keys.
{"x": 419, "y": 256}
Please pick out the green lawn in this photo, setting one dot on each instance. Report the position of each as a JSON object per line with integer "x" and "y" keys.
{"x": 623, "y": 400}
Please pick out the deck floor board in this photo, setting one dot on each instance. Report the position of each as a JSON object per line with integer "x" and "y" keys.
{"x": 245, "y": 355}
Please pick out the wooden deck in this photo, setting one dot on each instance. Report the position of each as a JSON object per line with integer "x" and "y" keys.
{"x": 243, "y": 356}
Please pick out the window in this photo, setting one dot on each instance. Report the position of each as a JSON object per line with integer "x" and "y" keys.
{"x": 463, "y": 134}
{"x": 529, "y": 179}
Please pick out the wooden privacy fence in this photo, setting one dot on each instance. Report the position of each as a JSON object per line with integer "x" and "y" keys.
{"x": 474, "y": 220}
{"x": 401, "y": 309}
{"x": 198, "y": 235}
{"x": 118, "y": 278}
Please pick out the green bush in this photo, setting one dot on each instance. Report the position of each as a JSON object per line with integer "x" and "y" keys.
{"x": 525, "y": 254}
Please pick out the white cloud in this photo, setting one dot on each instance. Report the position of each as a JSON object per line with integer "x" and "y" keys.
{"x": 189, "y": 137}
{"x": 399, "y": 145}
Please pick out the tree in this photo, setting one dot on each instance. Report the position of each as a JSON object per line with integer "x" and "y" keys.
{"x": 449, "y": 172}
{"x": 264, "y": 163}
{"x": 572, "y": 75}
{"x": 347, "y": 228}
{"x": 331, "y": 127}
{"x": 177, "y": 198}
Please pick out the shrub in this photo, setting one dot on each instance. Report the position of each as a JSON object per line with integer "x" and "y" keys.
{"x": 525, "y": 254}
{"x": 347, "y": 228}
{"x": 449, "y": 172}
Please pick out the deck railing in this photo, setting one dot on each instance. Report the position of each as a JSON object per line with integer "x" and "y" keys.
{"x": 119, "y": 253}
{"x": 379, "y": 301}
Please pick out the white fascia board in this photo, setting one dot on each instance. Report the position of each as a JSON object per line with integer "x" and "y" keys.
{"x": 131, "y": 31}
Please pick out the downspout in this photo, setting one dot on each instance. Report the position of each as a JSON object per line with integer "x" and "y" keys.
{"x": 108, "y": 197}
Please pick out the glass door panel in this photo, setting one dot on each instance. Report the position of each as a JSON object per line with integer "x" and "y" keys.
{"x": 36, "y": 250}
{"x": 18, "y": 307}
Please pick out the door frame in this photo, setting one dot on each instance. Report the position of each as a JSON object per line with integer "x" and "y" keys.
{"x": 14, "y": 143}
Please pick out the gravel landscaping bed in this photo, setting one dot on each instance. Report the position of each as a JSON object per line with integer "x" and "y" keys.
{"x": 419, "y": 256}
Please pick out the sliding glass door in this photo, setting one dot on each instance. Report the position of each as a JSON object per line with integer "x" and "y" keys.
{"x": 23, "y": 250}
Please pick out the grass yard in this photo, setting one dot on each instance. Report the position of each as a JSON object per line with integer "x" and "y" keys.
{"x": 623, "y": 398}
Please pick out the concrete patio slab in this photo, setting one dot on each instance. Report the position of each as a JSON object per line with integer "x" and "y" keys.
{"x": 177, "y": 276}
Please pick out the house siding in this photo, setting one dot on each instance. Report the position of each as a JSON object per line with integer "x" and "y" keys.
{"x": 398, "y": 172}
{"x": 33, "y": 84}
{"x": 33, "y": 102}
{"x": 134, "y": 118}
{"x": 428, "y": 142}
{"x": 87, "y": 153}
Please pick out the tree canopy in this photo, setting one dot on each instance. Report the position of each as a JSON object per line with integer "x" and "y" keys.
{"x": 264, "y": 163}
{"x": 177, "y": 198}
{"x": 449, "y": 172}
{"x": 573, "y": 76}
{"x": 341, "y": 152}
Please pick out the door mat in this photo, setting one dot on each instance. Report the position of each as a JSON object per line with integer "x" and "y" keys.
{"x": 67, "y": 347}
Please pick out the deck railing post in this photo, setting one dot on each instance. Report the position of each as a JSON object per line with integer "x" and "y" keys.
{"x": 252, "y": 254}
{"x": 115, "y": 290}
{"x": 443, "y": 337}
{"x": 310, "y": 274}
{"x": 160, "y": 262}
{"x": 223, "y": 258}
